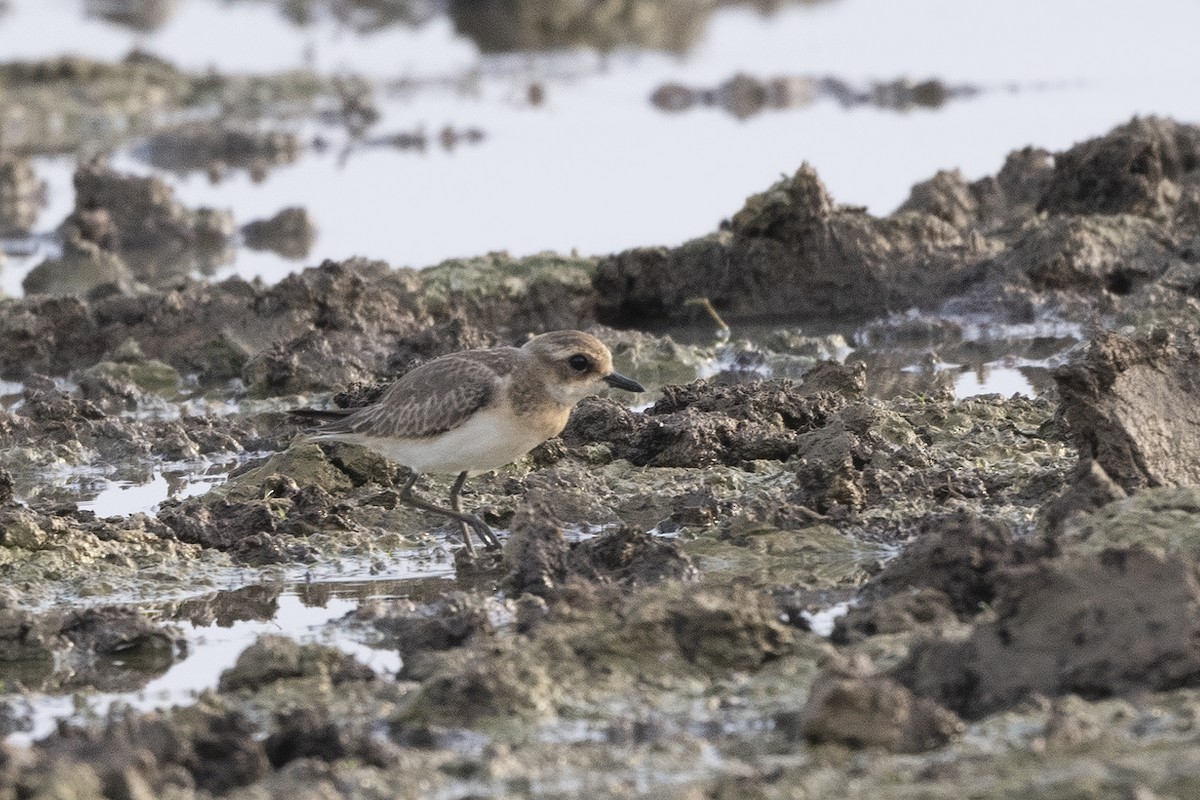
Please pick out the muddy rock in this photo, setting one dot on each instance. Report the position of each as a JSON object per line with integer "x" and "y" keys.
{"x": 1134, "y": 169}
{"x": 1130, "y": 407}
{"x": 139, "y": 755}
{"x": 290, "y": 233}
{"x": 143, "y": 16}
{"x": 1089, "y": 488}
{"x": 791, "y": 251}
{"x": 27, "y": 637}
{"x": 1012, "y": 194}
{"x": 255, "y": 532}
{"x": 22, "y": 196}
{"x": 501, "y": 683}
{"x": 499, "y": 28}
{"x": 1115, "y": 623}
{"x": 125, "y": 632}
{"x": 277, "y": 658}
{"x": 66, "y": 101}
{"x": 870, "y": 711}
{"x": 82, "y": 268}
{"x": 321, "y": 329}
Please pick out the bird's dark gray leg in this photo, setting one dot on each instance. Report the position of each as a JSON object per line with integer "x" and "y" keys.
{"x": 491, "y": 542}
{"x": 479, "y": 526}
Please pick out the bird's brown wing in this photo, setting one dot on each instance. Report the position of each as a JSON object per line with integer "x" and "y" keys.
{"x": 431, "y": 399}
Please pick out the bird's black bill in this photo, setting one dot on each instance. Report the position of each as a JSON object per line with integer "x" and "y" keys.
{"x": 621, "y": 382}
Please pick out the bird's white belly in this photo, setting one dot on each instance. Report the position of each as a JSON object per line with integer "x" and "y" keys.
{"x": 486, "y": 441}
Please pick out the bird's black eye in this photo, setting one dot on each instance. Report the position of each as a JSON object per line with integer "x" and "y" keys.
{"x": 579, "y": 362}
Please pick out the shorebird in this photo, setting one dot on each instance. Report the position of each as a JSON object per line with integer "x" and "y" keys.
{"x": 476, "y": 411}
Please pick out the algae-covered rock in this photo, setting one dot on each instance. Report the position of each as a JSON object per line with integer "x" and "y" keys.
{"x": 1165, "y": 520}
{"x": 536, "y": 293}
{"x": 304, "y": 463}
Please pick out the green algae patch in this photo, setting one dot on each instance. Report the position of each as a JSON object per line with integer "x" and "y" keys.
{"x": 305, "y": 464}
{"x": 814, "y": 557}
{"x": 1166, "y": 520}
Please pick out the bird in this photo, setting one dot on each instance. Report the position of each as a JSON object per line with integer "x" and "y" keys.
{"x": 475, "y": 411}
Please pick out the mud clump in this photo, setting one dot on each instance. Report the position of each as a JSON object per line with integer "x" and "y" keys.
{"x": 290, "y": 233}
{"x": 277, "y": 658}
{"x": 741, "y": 631}
{"x": 1099, "y": 625}
{"x": 541, "y": 562}
{"x": 451, "y": 621}
{"x": 896, "y": 613}
{"x": 497, "y": 27}
{"x": 1130, "y": 405}
{"x": 1135, "y": 169}
{"x": 872, "y": 711}
{"x": 961, "y": 556}
{"x": 744, "y": 96}
{"x": 136, "y": 755}
{"x": 703, "y": 423}
{"x": 256, "y": 532}
{"x": 306, "y": 733}
{"x": 104, "y": 648}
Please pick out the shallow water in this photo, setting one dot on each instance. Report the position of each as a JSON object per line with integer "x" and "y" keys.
{"x": 305, "y": 610}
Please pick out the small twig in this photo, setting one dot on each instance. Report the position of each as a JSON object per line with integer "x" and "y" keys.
{"x": 723, "y": 331}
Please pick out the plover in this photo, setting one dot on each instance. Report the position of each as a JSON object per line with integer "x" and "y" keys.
{"x": 476, "y": 411}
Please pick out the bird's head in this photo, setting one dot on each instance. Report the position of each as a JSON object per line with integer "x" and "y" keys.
{"x": 578, "y": 364}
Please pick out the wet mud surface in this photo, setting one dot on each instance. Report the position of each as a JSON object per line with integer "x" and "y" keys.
{"x": 805, "y": 568}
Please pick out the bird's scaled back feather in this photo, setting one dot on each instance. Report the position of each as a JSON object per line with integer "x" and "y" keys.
{"x": 431, "y": 399}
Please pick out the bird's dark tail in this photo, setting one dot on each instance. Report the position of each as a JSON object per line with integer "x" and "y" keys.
{"x": 320, "y": 414}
